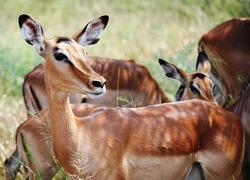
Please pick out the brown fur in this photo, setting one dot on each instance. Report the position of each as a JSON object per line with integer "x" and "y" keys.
{"x": 181, "y": 131}
{"x": 158, "y": 141}
{"x": 119, "y": 143}
{"x": 228, "y": 49}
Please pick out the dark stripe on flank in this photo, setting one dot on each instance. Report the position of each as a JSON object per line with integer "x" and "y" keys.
{"x": 35, "y": 98}
{"x": 24, "y": 99}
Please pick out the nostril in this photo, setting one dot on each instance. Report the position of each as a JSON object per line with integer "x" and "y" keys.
{"x": 97, "y": 84}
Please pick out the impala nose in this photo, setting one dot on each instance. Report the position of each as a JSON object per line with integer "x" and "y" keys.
{"x": 97, "y": 84}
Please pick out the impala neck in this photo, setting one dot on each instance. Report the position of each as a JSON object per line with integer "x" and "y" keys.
{"x": 61, "y": 118}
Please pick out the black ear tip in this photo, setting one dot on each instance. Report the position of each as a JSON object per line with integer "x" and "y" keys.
{"x": 22, "y": 18}
{"x": 105, "y": 19}
{"x": 162, "y": 62}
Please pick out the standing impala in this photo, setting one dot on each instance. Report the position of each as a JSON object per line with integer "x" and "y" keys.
{"x": 128, "y": 84}
{"x": 154, "y": 142}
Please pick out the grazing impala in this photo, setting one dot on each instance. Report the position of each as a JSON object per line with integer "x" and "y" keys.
{"x": 125, "y": 79}
{"x": 154, "y": 142}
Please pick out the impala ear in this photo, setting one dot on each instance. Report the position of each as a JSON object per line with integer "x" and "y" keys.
{"x": 203, "y": 64}
{"x": 172, "y": 71}
{"x": 32, "y": 32}
{"x": 92, "y": 31}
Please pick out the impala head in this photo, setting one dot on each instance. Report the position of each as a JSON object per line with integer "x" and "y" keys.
{"x": 65, "y": 59}
{"x": 195, "y": 85}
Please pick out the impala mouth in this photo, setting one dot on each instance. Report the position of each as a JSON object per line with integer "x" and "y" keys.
{"x": 99, "y": 92}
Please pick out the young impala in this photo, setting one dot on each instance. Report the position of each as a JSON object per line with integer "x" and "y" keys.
{"x": 154, "y": 142}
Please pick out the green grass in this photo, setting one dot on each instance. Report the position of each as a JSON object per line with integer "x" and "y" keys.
{"x": 140, "y": 30}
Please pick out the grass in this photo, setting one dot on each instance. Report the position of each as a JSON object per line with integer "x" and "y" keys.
{"x": 140, "y": 30}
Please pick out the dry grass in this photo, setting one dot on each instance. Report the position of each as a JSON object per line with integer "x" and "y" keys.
{"x": 12, "y": 113}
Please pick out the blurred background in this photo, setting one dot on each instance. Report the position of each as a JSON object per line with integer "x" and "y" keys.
{"x": 140, "y": 30}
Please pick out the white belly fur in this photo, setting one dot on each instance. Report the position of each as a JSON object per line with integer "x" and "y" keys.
{"x": 157, "y": 168}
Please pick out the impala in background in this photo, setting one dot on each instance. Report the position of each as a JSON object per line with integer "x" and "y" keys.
{"x": 227, "y": 48}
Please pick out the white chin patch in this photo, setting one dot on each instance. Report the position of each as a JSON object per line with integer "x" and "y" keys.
{"x": 99, "y": 92}
{"x": 104, "y": 89}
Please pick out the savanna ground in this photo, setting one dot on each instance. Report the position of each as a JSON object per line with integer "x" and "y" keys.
{"x": 143, "y": 30}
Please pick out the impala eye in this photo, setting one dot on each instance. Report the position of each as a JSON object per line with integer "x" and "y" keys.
{"x": 194, "y": 89}
{"x": 60, "y": 56}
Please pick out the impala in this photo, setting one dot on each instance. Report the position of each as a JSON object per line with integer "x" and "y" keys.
{"x": 128, "y": 84}
{"x": 228, "y": 49}
{"x": 196, "y": 85}
{"x": 141, "y": 90}
{"x": 153, "y": 142}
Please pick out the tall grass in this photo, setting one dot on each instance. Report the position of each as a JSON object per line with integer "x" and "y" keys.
{"x": 140, "y": 30}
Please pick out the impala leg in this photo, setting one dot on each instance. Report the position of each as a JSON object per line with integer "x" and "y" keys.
{"x": 35, "y": 152}
{"x": 196, "y": 173}
{"x": 12, "y": 165}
